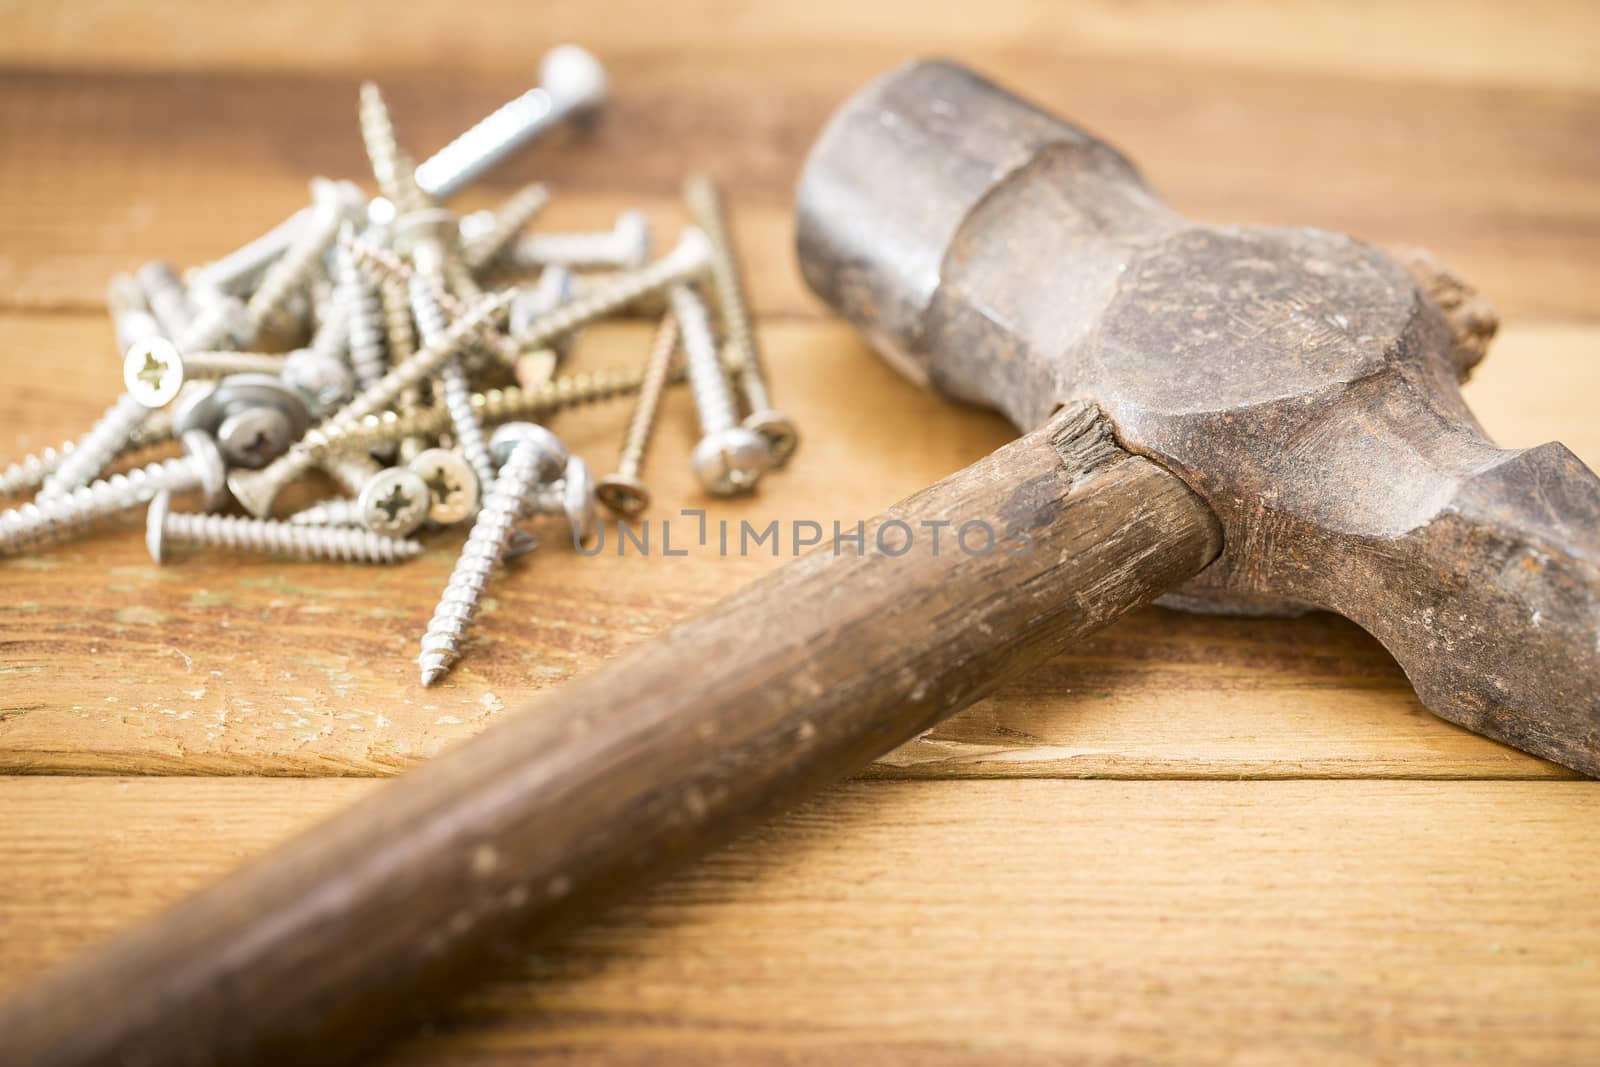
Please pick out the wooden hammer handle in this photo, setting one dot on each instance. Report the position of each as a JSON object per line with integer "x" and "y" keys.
{"x": 600, "y": 787}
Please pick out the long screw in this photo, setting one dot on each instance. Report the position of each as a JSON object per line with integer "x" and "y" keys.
{"x": 623, "y": 491}
{"x": 130, "y": 312}
{"x": 390, "y": 167}
{"x": 62, "y": 517}
{"x": 728, "y": 459}
{"x": 509, "y": 219}
{"x": 535, "y": 456}
{"x": 95, "y": 450}
{"x": 166, "y": 529}
{"x": 363, "y": 314}
{"x": 237, "y": 272}
{"x": 340, "y": 511}
{"x": 291, "y": 271}
{"x": 29, "y": 472}
{"x": 705, "y": 208}
{"x": 625, "y": 246}
{"x": 456, "y": 390}
{"x": 573, "y": 85}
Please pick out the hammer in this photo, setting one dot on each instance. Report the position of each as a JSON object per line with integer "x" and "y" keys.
{"x": 1246, "y": 420}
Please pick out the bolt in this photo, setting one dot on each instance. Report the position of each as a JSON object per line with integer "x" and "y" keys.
{"x": 529, "y": 455}
{"x": 163, "y": 528}
{"x": 394, "y": 501}
{"x": 503, "y": 225}
{"x": 453, "y": 382}
{"x": 63, "y": 516}
{"x": 623, "y": 491}
{"x": 453, "y": 485}
{"x": 572, "y": 86}
{"x": 625, "y": 246}
{"x": 706, "y": 210}
{"x": 729, "y": 458}
{"x": 573, "y": 497}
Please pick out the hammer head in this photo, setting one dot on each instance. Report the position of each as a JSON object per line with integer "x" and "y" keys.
{"x": 1301, "y": 382}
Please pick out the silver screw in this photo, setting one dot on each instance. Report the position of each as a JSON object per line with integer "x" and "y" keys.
{"x": 29, "y": 472}
{"x": 363, "y": 314}
{"x": 453, "y": 485}
{"x": 530, "y": 455}
{"x": 322, "y": 380}
{"x": 573, "y": 85}
{"x": 95, "y": 450}
{"x": 457, "y": 391}
{"x": 237, "y": 272}
{"x": 504, "y": 223}
{"x": 729, "y": 458}
{"x": 221, "y": 320}
{"x": 340, "y": 511}
{"x": 572, "y": 497}
{"x": 254, "y": 417}
{"x": 394, "y": 501}
{"x": 62, "y": 517}
{"x": 623, "y": 490}
{"x": 390, "y": 166}
{"x": 626, "y": 246}
{"x": 705, "y": 208}
{"x": 163, "y": 529}
{"x": 293, "y": 270}
{"x": 256, "y": 490}
{"x": 153, "y": 371}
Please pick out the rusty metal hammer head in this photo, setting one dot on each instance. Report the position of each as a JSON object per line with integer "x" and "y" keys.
{"x": 1303, "y": 383}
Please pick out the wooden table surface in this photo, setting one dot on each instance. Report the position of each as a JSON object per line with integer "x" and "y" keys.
{"x": 1189, "y": 840}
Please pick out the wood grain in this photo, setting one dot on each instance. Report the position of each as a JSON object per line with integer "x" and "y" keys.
{"x": 236, "y": 665}
{"x": 966, "y": 923}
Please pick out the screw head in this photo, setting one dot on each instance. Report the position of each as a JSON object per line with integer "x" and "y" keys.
{"x": 253, "y": 437}
{"x": 731, "y": 462}
{"x": 152, "y": 371}
{"x": 578, "y": 500}
{"x": 782, "y": 436}
{"x": 394, "y": 501}
{"x": 574, "y": 78}
{"x": 625, "y": 496}
{"x": 324, "y": 381}
{"x": 241, "y": 392}
{"x": 452, "y": 484}
{"x": 155, "y": 525}
{"x": 552, "y": 453}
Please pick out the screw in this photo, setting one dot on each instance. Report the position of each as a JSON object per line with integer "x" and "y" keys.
{"x": 390, "y": 166}
{"x": 153, "y": 372}
{"x": 340, "y": 511}
{"x": 29, "y": 472}
{"x": 256, "y": 490}
{"x": 556, "y": 287}
{"x": 59, "y": 518}
{"x": 529, "y": 455}
{"x": 363, "y": 313}
{"x": 220, "y": 320}
{"x": 625, "y": 246}
{"x": 688, "y": 260}
{"x": 623, "y": 491}
{"x": 574, "y": 497}
{"x": 453, "y": 382}
{"x": 95, "y": 450}
{"x": 705, "y": 208}
{"x": 166, "y": 297}
{"x": 164, "y": 528}
{"x": 254, "y": 418}
{"x": 237, "y": 272}
{"x": 453, "y": 485}
{"x": 293, "y": 270}
{"x": 510, "y": 219}
{"x": 223, "y": 363}
{"x": 572, "y": 86}
{"x": 394, "y": 501}
{"x": 130, "y": 312}
{"x": 729, "y": 458}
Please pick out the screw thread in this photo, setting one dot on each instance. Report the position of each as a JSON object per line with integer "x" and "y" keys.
{"x": 641, "y": 426}
{"x": 598, "y": 248}
{"x": 705, "y": 208}
{"x": 293, "y": 270}
{"x": 300, "y": 542}
{"x": 350, "y": 470}
{"x": 364, "y": 319}
{"x": 457, "y": 392}
{"x": 95, "y": 450}
{"x": 235, "y": 272}
{"x": 340, "y": 511}
{"x": 212, "y": 325}
{"x": 29, "y": 472}
{"x": 60, "y": 517}
{"x": 510, "y": 219}
{"x": 680, "y": 265}
{"x": 707, "y": 379}
{"x": 391, "y": 168}
{"x": 485, "y": 548}
{"x": 493, "y": 138}
{"x": 165, "y": 294}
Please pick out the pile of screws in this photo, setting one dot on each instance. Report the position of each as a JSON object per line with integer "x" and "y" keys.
{"x": 375, "y": 339}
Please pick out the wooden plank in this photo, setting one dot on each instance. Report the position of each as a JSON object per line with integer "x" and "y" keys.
{"x": 1543, "y": 42}
{"x": 108, "y": 169}
{"x": 232, "y": 665}
{"x": 959, "y": 923}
